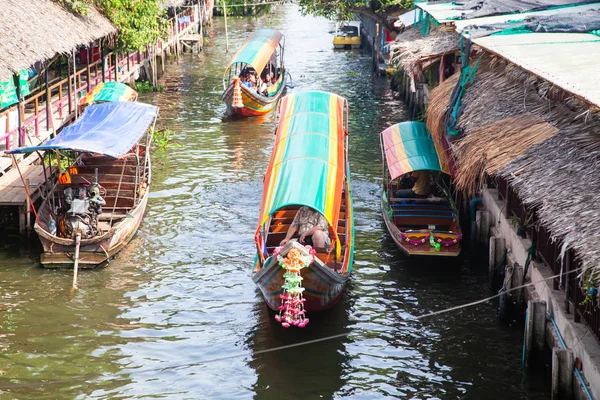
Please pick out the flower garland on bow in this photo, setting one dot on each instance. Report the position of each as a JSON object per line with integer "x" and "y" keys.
{"x": 431, "y": 238}
{"x": 291, "y": 311}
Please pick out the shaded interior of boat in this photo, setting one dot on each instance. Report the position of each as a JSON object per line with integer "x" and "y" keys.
{"x": 280, "y": 221}
{"x": 123, "y": 182}
{"x": 427, "y": 214}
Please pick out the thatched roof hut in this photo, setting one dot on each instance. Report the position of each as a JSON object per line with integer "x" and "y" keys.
{"x": 35, "y": 30}
{"x": 507, "y": 111}
{"x": 544, "y": 142}
{"x": 411, "y": 49}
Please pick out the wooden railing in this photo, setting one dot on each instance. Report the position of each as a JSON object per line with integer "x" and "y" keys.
{"x": 86, "y": 79}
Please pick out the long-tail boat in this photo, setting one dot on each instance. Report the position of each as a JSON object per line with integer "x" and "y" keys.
{"x": 109, "y": 92}
{"x": 426, "y": 225}
{"x": 261, "y": 55}
{"x": 95, "y": 206}
{"x": 308, "y": 167}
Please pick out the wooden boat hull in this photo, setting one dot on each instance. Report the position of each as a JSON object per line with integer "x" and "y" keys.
{"x": 59, "y": 251}
{"x": 323, "y": 286}
{"x": 91, "y": 252}
{"x": 423, "y": 249}
{"x": 254, "y": 104}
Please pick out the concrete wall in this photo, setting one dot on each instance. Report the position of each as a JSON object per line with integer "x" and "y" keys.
{"x": 577, "y": 336}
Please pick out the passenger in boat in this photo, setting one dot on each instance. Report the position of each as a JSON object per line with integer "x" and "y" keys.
{"x": 261, "y": 88}
{"x": 421, "y": 186}
{"x": 312, "y": 228}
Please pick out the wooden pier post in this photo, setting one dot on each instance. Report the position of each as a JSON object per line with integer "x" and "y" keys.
{"x": 562, "y": 374}
{"x": 484, "y": 219}
{"x": 535, "y": 330}
{"x": 28, "y": 205}
{"x": 497, "y": 251}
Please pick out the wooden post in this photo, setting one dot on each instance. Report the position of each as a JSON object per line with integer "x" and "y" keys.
{"x": 483, "y": 219}
{"x": 48, "y": 100}
{"x": 28, "y": 205}
{"x": 177, "y": 45}
{"x": 567, "y": 261}
{"x": 562, "y": 374}
{"x": 75, "y": 87}
{"x": 102, "y": 58}
{"x": 535, "y": 330}
{"x": 20, "y": 109}
{"x": 76, "y": 260}
{"x": 88, "y": 74}
{"x": 226, "y": 35}
{"x": 497, "y": 249}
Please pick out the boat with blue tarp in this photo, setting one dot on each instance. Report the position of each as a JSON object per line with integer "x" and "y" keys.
{"x": 94, "y": 207}
{"x": 421, "y": 216}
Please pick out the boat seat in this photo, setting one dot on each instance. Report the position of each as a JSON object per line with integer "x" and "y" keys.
{"x": 417, "y": 200}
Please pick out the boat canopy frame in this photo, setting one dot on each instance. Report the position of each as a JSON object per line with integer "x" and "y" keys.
{"x": 407, "y": 147}
{"x": 256, "y": 52}
{"x": 308, "y": 165}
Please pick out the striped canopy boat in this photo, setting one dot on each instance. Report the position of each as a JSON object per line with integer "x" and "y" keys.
{"x": 109, "y": 92}
{"x": 260, "y": 55}
{"x": 420, "y": 225}
{"x": 308, "y": 167}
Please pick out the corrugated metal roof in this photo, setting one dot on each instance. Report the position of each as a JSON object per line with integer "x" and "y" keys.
{"x": 461, "y": 24}
{"x": 569, "y": 60}
{"x": 443, "y": 12}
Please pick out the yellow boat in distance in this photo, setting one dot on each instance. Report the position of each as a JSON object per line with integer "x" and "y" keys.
{"x": 347, "y": 36}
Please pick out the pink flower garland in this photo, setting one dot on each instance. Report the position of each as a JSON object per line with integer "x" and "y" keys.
{"x": 443, "y": 242}
{"x": 291, "y": 311}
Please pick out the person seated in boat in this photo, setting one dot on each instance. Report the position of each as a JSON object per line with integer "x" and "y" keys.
{"x": 261, "y": 88}
{"x": 312, "y": 228}
{"x": 420, "y": 188}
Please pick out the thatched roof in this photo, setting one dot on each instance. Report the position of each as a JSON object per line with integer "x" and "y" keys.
{"x": 411, "y": 49}
{"x": 35, "y": 30}
{"x": 506, "y": 111}
{"x": 562, "y": 183}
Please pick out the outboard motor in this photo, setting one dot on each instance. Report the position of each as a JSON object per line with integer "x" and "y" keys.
{"x": 85, "y": 205}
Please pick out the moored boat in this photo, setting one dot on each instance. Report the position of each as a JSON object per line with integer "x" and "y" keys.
{"x": 255, "y": 77}
{"x": 420, "y": 225}
{"x": 308, "y": 168}
{"x": 347, "y": 36}
{"x": 95, "y": 206}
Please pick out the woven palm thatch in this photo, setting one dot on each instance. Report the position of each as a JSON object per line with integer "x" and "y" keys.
{"x": 562, "y": 183}
{"x": 506, "y": 111}
{"x": 411, "y": 49}
{"x": 36, "y": 30}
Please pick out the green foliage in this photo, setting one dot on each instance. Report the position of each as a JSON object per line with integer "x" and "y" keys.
{"x": 343, "y": 10}
{"x": 66, "y": 158}
{"x": 145, "y": 86}
{"x": 78, "y": 6}
{"x": 161, "y": 138}
{"x": 140, "y": 22}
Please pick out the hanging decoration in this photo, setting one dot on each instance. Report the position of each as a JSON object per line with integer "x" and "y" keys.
{"x": 291, "y": 311}
{"x": 433, "y": 240}
{"x": 237, "y": 93}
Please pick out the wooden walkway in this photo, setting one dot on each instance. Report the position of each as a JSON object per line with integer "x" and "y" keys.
{"x": 42, "y": 119}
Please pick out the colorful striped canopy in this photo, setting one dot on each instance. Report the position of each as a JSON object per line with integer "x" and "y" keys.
{"x": 409, "y": 147}
{"x": 109, "y": 91}
{"x": 308, "y": 162}
{"x": 257, "y": 49}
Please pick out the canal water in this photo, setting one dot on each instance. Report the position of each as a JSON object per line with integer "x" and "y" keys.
{"x": 176, "y": 314}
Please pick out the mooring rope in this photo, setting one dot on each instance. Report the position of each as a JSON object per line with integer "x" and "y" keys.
{"x": 279, "y": 348}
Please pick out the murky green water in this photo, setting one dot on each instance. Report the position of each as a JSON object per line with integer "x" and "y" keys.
{"x": 177, "y": 316}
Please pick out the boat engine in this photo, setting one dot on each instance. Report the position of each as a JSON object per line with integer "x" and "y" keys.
{"x": 85, "y": 206}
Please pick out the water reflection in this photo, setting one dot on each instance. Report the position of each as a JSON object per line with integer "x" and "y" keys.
{"x": 176, "y": 315}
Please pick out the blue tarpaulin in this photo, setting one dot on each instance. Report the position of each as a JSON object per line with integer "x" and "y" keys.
{"x": 111, "y": 129}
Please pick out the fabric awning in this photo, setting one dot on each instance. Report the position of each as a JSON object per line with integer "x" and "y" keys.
{"x": 408, "y": 147}
{"x": 111, "y": 129}
{"x": 308, "y": 163}
{"x": 257, "y": 49}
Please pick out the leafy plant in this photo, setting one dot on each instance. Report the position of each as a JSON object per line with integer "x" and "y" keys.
{"x": 145, "y": 86}
{"x": 343, "y": 10}
{"x": 78, "y": 6}
{"x": 161, "y": 137}
{"x": 140, "y": 22}
{"x": 65, "y": 159}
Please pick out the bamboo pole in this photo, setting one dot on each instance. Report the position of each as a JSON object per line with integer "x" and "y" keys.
{"x": 226, "y": 36}
{"x": 76, "y": 259}
{"x": 28, "y": 201}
